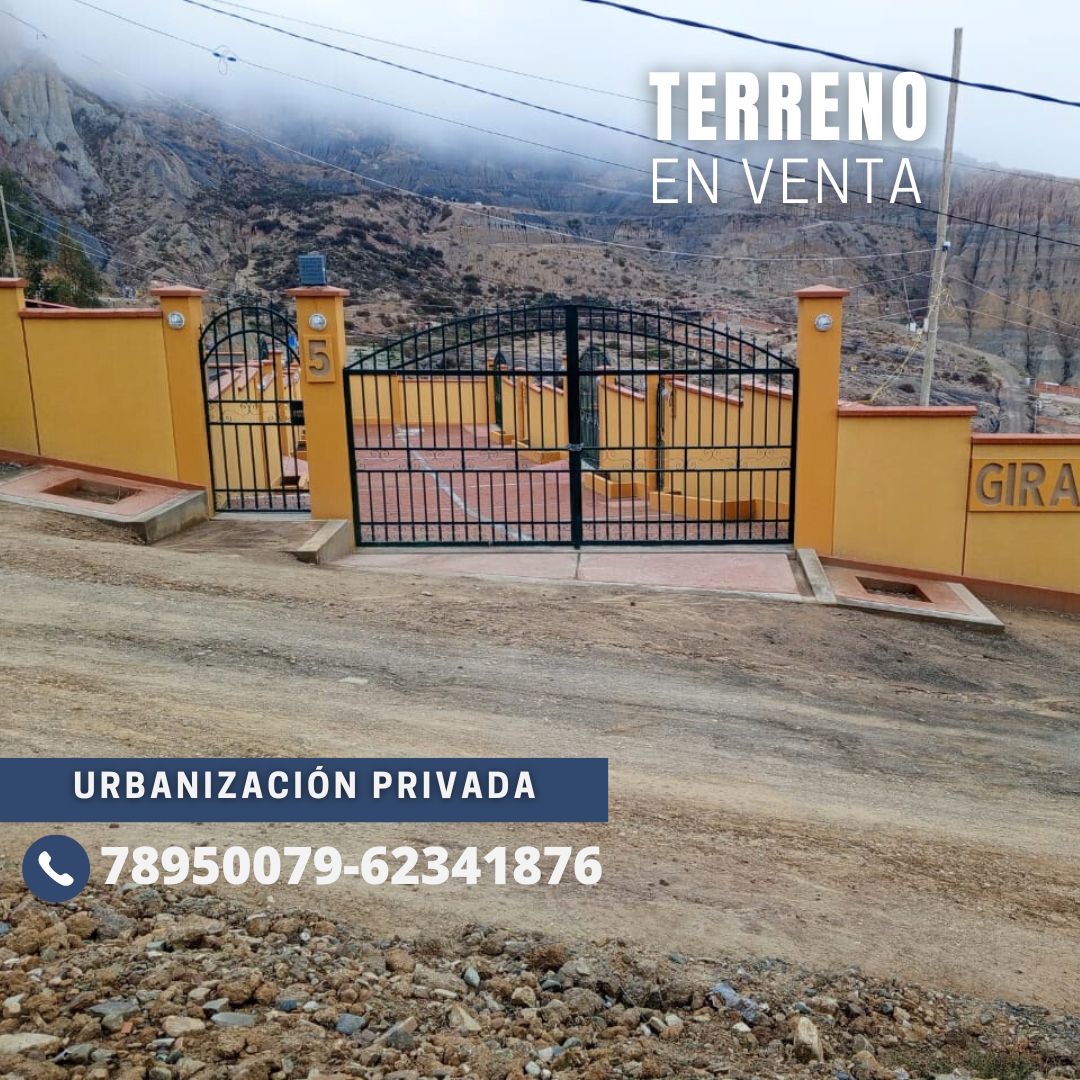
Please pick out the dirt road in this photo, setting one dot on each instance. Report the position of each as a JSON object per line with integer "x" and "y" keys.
{"x": 821, "y": 785}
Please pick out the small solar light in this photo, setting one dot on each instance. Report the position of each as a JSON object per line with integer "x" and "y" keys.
{"x": 823, "y": 322}
{"x": 317, "y": 321}
{"x": 312, "y": 269}
{"x": 176, "y": 320}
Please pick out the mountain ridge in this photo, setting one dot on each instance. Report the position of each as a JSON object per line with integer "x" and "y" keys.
{"x": 175, "y": 196}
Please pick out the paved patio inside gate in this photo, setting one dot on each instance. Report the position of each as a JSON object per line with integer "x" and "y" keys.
{"x": 462, "y": 489}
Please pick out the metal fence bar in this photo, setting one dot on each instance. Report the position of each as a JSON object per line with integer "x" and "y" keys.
{"x": 537, "y": 425}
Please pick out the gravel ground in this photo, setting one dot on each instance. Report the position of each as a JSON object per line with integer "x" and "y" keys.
{"x": 152, "y": 984}
{"x": 826, "y": 787}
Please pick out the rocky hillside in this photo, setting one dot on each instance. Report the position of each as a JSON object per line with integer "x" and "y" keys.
{"x": 177, "y": 196}
{"x": 155, "y": 984}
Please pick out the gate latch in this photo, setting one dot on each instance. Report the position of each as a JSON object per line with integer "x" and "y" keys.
{"x": 575, "y": 446}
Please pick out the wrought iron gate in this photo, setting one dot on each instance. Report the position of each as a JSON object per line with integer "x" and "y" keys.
{"x": 592, "y": 359}
{"x": 572, "y": 424}
{"x": 254, "y": 410}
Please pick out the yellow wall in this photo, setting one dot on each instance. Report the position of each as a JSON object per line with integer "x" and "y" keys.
{"x": 375, "y": 398}
{"x": 101, "y": 392}
{"x": 17, "y": 428}
{"x": 427, "y": 399}
{"x": 513, "y": 421}
{"x": 185, "y": 376}
{"x": 110, "y": 389}
{"x": 432, "y": 399}
{"x": 1028, "y": 547}
{"x": 622, "y": 428}
{"x": 767, "y": 414}
{"x": 901, "y": 488}
{"x": 546, "y": 416}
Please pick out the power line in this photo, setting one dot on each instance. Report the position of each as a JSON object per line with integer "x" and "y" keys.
{"x": 381, "y": 101}
{"x": 1010, "y": 322}
{"x": 883, "y": 318}
{"x": 918, "y": 207}
{"x": 77, "y": 244}
{"x": 615, "y": 244}
{"x": 29, "y": 26}
{"x": 1014, "y": 303}
{"x": 428, "y": 115}
{"x": 854, "y": 288}
{"x": 441, "y": 55}
{"x": 513, "y": 222}
{"x": 616, "y": 94}
{"x": 142, "y": 268}
{"x": 792, "y": 46}
{"x": 450, "y": 120}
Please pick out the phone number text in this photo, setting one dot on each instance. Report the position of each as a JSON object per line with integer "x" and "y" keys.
{"x": 432, "y": 865}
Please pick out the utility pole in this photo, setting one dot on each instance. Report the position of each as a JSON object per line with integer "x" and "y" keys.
{"x": 941, "y": 243}
{"x": 7, "y": 233}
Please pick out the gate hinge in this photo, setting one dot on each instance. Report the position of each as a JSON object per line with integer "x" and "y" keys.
{"x": 575, "y": 446}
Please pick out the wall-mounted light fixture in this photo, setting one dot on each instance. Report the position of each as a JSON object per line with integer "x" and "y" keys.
{"x": 176, "y": 320}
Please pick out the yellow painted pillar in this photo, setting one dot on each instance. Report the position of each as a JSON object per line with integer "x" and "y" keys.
{"x": 182, "y": 321}
{"x": 320, "y": 322}
{"x": 18, "y": 425}
{"x": 818, "y": 357}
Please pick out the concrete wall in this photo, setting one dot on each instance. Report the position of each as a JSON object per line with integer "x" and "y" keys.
{"x": 623, "y": 427}
{"x": 901, "y": 486}
{"x": 915, "y": 488}
{"x": 1023, "y": 520}
{"x": 546, "y": 412}
{"x": 100, "y": 389}
{"x": 904, "y": 487}
{"x": 111, "y": 388}
{"x": 441, "y": 401}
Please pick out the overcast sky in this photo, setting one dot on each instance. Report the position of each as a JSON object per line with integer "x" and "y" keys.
{"x": 1033, "y": 46}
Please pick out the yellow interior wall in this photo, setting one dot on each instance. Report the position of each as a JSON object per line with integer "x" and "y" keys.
{"x": 622, "y": 427}
{"x": 768, "y": 416}
{"x": 546, "y": 417}
{"x": 1038, "y": 547}
{"x": 373, "y": 398}
{"x": 17, "y": 428}
{"x": 457, "y": 400}
{"x": 901, "y": 490}
{"x": 101, "y": 392}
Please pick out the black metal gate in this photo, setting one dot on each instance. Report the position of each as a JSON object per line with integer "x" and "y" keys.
{"x": 254, "y": 410}
{"x": 572, "y": 424}
{"x": 592, "y": 359}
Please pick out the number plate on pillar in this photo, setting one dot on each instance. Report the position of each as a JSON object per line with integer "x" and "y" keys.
{"x": 318, "y": 362}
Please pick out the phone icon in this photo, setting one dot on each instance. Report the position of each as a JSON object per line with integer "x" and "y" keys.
{"x": 65, "y": 881}
{"x": 59, "y": 884}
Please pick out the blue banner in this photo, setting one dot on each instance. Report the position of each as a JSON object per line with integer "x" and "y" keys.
{"x": 303, "y": 789}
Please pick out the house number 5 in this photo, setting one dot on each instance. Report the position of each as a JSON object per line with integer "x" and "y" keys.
{"x": 320, "y": 368}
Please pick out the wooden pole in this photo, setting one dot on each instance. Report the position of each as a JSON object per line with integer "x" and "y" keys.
{"x": 937, "y": 274}
{"x": 7, "y": 233}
